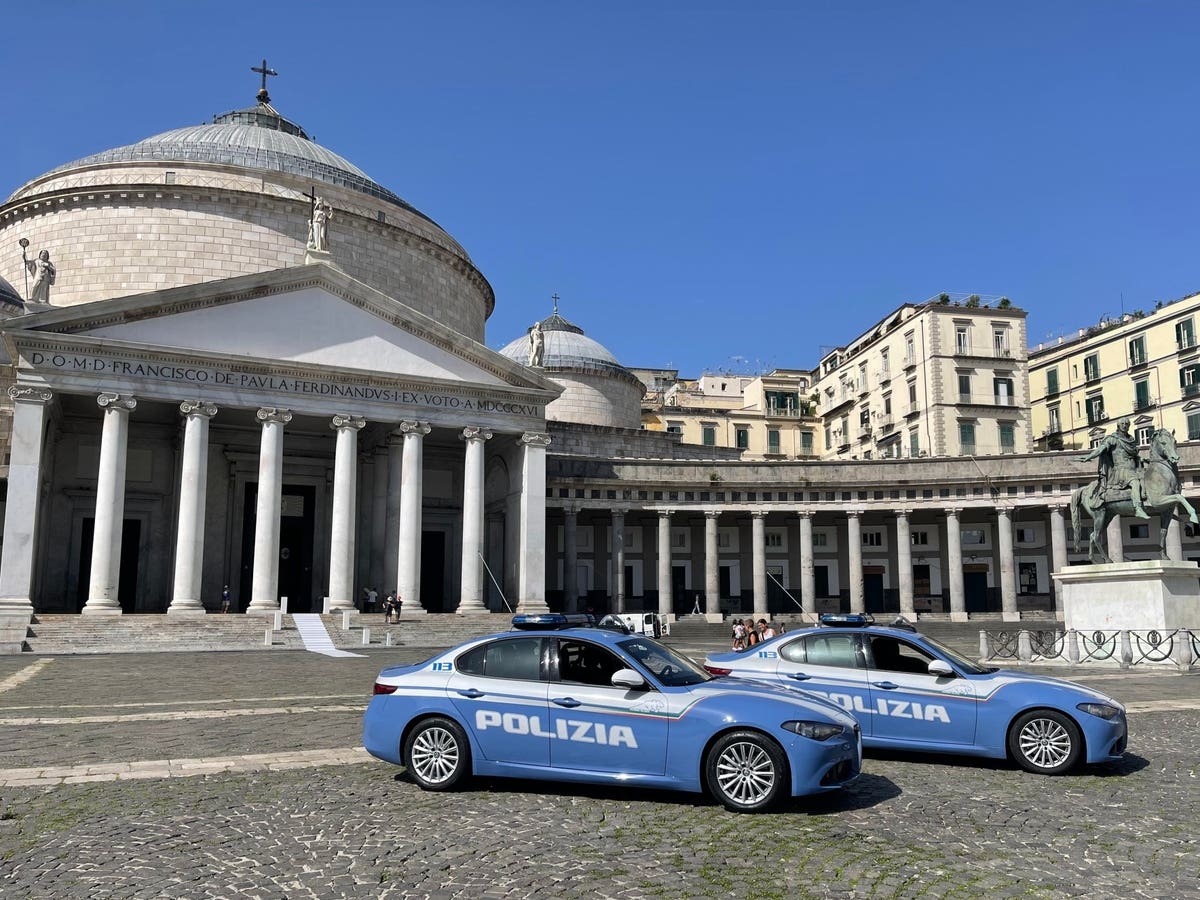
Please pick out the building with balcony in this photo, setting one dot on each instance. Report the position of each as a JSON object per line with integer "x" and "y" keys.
{"x": 942, "y": 378}
{"x": 770, "y": 416}
{"x": 1142, "y": 365}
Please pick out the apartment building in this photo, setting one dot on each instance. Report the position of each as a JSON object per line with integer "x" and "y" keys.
{"x": 947, "y": 377}
{"x": 770, "y": 416}
{"x": 1145, "y": 365}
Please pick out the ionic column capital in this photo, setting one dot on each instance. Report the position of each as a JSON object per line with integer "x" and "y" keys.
{"x": 475, "y": 433}
{"x": 273, "y": 415}
{"x": 712, "y": 514}
{"x": 953, "y": 511}
{"x": 340, "y": 422}
{"x": 853, "y": 513}
{"x": 118, "y": 402}
{"x": 1004, "y": 511}
{"x": 758, "y": 513}
{"x": 418, "y": 429}
{"x": 536, "y": 439}
{"x": 20, "y": 393}
{"x": 903, "y": 513}
{"x": 198, "y": 409}
{"x": 805, "y": 513}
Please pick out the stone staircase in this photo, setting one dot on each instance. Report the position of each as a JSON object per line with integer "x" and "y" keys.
{"x": 72, "y": 634}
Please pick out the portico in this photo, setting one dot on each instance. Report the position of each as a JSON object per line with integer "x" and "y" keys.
{"x": 280, "y": 433}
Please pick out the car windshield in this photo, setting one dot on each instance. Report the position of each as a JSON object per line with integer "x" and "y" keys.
{"x": 963, "y": 663}
{"x": 664, "y": 664}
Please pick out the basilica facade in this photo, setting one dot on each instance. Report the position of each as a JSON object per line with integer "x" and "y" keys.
{"x": 253, "y": 369}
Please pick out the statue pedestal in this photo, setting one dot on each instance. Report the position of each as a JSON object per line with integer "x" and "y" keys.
{"x": 1162, "y": 595}
{"x": 315, "y": 256}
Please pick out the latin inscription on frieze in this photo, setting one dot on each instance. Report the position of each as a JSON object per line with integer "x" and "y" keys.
{"x": 210, "y": 375}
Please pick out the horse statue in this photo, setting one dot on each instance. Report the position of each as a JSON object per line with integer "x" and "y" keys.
{"x": 1160, "y": 486}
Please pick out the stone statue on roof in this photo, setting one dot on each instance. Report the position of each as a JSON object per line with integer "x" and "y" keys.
{"x": 537, "y": 344}
{"x": 318, "y": 226}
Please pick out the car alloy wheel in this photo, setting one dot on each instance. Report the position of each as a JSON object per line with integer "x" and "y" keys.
{"x": 1045, "y": 741}
{"x": 746, "y": 771}
{"x": 436, "y": 754}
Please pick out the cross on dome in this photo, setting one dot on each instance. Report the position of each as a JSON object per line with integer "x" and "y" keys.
{"x": 263, "y": 96}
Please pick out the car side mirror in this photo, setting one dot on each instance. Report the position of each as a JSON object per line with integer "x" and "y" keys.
{"x": 628, "y": 678}
{"x": 940, "y": 668}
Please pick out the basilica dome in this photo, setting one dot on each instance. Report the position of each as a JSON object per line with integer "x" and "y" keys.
{"x": 234, "y": 197}
{"x": 597, "y": 390}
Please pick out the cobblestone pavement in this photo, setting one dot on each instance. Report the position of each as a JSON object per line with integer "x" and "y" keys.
{"x": 240, "y": 775}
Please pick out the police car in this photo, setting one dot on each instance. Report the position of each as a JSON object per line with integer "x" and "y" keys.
{"x": 556, "y": 700}
{"x": 909, "y": 692}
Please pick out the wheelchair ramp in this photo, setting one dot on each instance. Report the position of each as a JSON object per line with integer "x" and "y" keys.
{"x": 316, "y": 638}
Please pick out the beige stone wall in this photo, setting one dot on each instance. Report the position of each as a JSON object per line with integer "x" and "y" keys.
{"x": 126, "y": 239}
{"x": 595, "y": 400}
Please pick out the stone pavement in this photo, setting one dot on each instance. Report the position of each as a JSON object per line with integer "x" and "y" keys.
{"x": 241, "y": 774}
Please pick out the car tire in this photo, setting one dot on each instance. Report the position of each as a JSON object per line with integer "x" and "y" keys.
{"x": 1045, "y": 742}
{"x": 437, "y": 754}
{"x": 746, "y": 771}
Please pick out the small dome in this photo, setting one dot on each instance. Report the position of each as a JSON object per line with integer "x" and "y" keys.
{"x": 9, "y": 295}
{"x": 567, "y": 347}
{"x": 597, "y": 390}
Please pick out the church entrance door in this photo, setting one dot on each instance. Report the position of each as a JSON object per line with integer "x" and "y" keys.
{"x": 297, "y": 523}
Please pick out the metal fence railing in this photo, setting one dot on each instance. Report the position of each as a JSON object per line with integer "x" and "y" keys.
{"x": 1179, "y": 647}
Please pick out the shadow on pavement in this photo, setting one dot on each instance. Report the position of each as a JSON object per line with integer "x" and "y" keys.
{"x": 865, "y": 792}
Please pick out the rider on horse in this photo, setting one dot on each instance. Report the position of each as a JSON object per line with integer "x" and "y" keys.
{"x": 1120, "y": 468}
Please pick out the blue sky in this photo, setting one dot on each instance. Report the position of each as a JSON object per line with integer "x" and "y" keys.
{"x": 708, "y": 186}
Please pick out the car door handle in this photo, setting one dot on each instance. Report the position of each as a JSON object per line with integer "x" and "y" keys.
{"x": 885, "y": 685}
{"x": 799, "y": 676}
{"x": 471, "y": 693}
{"x": 567, "y": 701}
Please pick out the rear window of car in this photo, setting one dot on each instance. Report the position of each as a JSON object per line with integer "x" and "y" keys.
{"x": 830, "y": 650}
{"x": 519, "y": 658}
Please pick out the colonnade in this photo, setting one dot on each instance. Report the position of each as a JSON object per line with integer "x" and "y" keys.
{"x": 399, "y": 516}
{"x": 950, "y": 526}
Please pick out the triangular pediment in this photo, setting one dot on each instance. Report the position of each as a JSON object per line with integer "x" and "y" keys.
{"x": 307, "y": 316}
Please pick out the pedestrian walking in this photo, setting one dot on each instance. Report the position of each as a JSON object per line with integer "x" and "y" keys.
{"x": 225, "y": 599}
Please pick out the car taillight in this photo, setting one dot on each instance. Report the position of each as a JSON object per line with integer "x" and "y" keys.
{"x": 715, "y": 670}
{"x": 381, "y": 688}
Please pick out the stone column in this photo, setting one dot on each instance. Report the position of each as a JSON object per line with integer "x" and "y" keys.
{"x": 854, "y": 551}
{"x": 193, "y": 486}
{"x": 1174, "y": 544}
{"x": 1008, "y": 567}
{"x": 381, "y": 544}
{"x": 618, "y": 553}
{"x": 1116, "y": 541}
{"x": 345, "y": 492}
{"x": 104, "y": 581}
{"x": 264, "y": 590}
{"x": 24, "y": 492}
{"x": 471, "y": 578}
{"x": 570, "y": 559}
{"x": 531, "y": 574}
{"x": 758, "y": 554}
{"x": 712, "y": 564}
{"x": 808, "y": 580}
{"x": 1058, "y": 553}
{"x": 395, "y": 482}
{"x": 408, "y": 557}
{"x": 954, "y": 566}
{"x": 904, "y": 564}
{"x": 665, "y": 603}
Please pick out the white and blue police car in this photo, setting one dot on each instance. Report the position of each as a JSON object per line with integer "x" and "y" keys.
{"x": 557, "y": 700}
{"x": 910, "y": 692}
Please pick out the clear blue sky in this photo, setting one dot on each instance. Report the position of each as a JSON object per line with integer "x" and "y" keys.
{"x": 708, "y": 186}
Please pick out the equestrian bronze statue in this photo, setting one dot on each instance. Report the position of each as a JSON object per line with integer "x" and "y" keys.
{"x": 1129, "y": 485}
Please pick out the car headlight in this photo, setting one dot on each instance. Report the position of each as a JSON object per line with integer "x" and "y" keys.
{"x": 1103, "y": 710}
{"x": 816, "y": 731}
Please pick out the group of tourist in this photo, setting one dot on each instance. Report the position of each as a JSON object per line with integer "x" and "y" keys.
{"x": 746, "y": 634}
{"x": 391, "y": 605}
